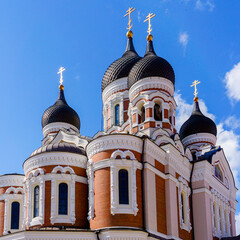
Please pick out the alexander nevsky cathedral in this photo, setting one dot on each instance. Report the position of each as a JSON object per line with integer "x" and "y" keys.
{"x": 139, "y": 179}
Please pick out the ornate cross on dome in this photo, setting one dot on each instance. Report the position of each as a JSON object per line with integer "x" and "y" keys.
{"x": 129, "y": 11}
{"x": 148, "y": 18}
{"x": 60, "y": 71}
{"x": 194, "y": 84}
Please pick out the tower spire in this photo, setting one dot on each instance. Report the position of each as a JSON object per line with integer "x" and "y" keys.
{"x": 129, "y": 11}
{"x": 60, "y": 71}
{"x": 148, "y": 18}
{"x": 194, "y": 84}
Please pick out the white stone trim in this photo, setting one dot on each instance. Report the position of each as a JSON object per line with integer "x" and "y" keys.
{"x": 184, "y": 190}
{"x": 199, "y": 139}
{"x": 149, "y": 83}
{"x": 70, "y": 181}
{"x": 118, "y": 141}
{"x": 63, "y": 169}
{"x": 115, "y": 86}
{"x": 11, "y": 180}
{"x": 120, "y": 234}
{"x": 56, "y": 126}
{"x": 54, "y": 158}
{"x": 90, "y": 174}
{"x": 9, "y": 198}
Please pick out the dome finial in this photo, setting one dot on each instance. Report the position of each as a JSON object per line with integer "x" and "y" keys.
{"x": 60, "y": 71}
{"x": 148, "y": 18}
{"x": 129, "y": 11}
{"x": 194, "y": 84}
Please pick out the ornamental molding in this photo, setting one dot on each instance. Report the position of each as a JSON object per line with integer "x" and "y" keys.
{"x": 115, "y": 86}
{"x": 54, "y": 158}
{"x": 51, "y": 235}
{"x": 117, "y": 141}
{"x": 90, "y": 174}
{"x": 11, "y": 180}
{"x": 126, "y": 235}
{"x": 155, "y": 151}
{"x": 183, "y": 188}
{"x": 151, "y": 83}
{"x": 56, "y": 126}
{"x": 199, "y": 139}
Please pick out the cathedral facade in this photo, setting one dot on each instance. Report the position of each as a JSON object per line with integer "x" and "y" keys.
{"x": 138, "y": 179}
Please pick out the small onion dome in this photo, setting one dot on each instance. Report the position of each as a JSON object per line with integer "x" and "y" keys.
{"x": 122, "y": 66}
{"x": 59, "y": 147}
{"x": 150, "y": 66}
{"x": 60, "y": 112}
{"x": 197, "y": 123}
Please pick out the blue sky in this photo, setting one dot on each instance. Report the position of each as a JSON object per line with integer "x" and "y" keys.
{"x": 200, "y": 38}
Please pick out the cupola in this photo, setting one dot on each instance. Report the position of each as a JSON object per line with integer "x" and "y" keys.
{"x": 150, "y": 66}
{"x": 122, "y": 66}
{"x": 198, "y": 129}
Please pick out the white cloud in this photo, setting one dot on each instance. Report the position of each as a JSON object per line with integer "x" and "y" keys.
{"x": 232, "y": 81}
{"x": 139, "y": 16}
{"x": 202, "y": 5}
{"x": 210, "y": 5}
{"x": 183, "y": 39}
{"x": 232, "y": 122}
{"x": 238, "y": 223}
{"x": 199, "y": 5}
{"x": 230, "y": 142}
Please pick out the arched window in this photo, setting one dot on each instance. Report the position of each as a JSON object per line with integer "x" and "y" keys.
{"x": 123, "y": 186}
{"x": 63, "y": 199}
{"x": 183, "y": 208}
{"x": 171, "y": 116}
{"x": 215, "y": 215}
{"x": 117, "y": 118}
{"x": 36, "y": 202}
{"x": 218, "y": 173}
{"x": 142, "y": 119}
{"x": 15, "y": 215}
{"x": 157, "y": 112}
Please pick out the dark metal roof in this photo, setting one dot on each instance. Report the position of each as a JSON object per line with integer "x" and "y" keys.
{"x": 151, "y": 66}
{"x": 59, "y": 147}
{"x": 60, "y": 112}
{"x": 231, "y": 238}
{"x": 197, "y": 123}
{"x": 122, "y": 66}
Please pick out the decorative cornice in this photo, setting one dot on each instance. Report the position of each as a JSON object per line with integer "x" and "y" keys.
{"x": 11, "y": 180}
{"x": 116, "y": 141}
{"x": 198, "y": 138}
{"x": 115, "y": 86}
{"x": 151, "y": 83}
{"x": 55, "y": 158}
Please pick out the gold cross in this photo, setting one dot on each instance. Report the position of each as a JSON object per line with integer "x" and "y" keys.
{"x": 195, "y": 83}
{"x": 148, "y": 18}
{"x": 129, "y": 11}
{"x": 61, "y": 70}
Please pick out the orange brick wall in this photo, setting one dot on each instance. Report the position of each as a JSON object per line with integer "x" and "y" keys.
{"x": 47, "y": 203}
{"x": 159, "y": 166}
{"x": 103, "y": 217}
{"x": 2, "y": 209}
{"x": 161, "y": 205}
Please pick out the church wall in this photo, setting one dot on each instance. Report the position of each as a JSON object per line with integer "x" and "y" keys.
{"x": 102, "y": 203}
{"x": 183, "y": 234}
{"x": 47, "y": 203}
{"x": 161, "y": 205}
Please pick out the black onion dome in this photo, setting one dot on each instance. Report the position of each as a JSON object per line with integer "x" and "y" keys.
{"x": 122, "y": 66}
{"x": 60, "y": 112}
{"x": 197, "y": 123}
{"x": 151, "y": 66}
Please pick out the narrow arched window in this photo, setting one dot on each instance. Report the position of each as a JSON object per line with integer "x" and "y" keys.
{"x": 117, "y": 118}
{"x": 36, "y": 202}
{"x": 157, "y": 112}
{"x": 171, "y": 116}
{"x": 15, "y": 215}
{"x": 123, "y": 186}
{"x": 142, "y": 119}
{"x": 183, "y": 207}
{"x": 63, "y": 199}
